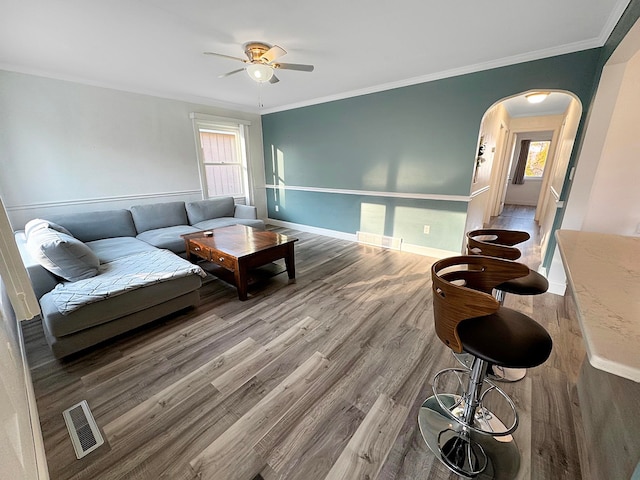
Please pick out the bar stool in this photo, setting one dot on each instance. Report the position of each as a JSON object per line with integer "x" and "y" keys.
{"x": 458, "y": 426}
{"x": 500, "y": 244}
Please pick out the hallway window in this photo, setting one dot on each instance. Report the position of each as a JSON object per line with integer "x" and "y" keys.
{"x": 536, "y": 159}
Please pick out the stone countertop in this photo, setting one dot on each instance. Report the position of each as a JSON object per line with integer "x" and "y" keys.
{"x": 603, "y": 271}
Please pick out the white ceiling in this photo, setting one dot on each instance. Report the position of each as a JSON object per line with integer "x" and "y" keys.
{"x": 357, "y": 46}
{"x": 555, "y": 104}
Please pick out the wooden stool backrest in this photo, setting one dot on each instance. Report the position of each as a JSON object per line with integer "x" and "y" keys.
{"x": 462, "y": 289}
{"x": 501, "y": 245}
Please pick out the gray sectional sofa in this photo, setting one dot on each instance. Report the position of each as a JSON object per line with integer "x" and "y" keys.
{"x": 100, "y": 274}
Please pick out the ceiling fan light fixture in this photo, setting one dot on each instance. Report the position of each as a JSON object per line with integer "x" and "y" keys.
{"x": 259, "y": 72}
{"x": 537, "y": 97}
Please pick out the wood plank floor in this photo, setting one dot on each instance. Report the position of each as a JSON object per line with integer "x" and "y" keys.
{"x": 321, "y": 379}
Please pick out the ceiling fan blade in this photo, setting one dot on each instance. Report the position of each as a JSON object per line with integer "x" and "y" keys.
{"x": 225, "y": 56}
{"x": 274, "y": 79}
{"x": 273, "y": 53}
{"x": 294, "y": 66}
{"x": 230, "y": 73}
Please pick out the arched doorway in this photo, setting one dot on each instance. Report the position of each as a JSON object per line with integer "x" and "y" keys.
{"x": 509, "y": 126}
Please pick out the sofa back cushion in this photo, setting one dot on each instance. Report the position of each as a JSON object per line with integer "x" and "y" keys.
{"x": 62, "y": 255}
{"x": 158, "y": 215}
{"x": 90, "y": 226}
{"x": 211, "y": 208}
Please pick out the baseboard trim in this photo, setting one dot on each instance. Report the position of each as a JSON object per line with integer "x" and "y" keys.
{"x": 557, "y": 288}
{"x": 310, "y": 229}
{"x": 428, "y": 251}
{"x": 406, "y": 247}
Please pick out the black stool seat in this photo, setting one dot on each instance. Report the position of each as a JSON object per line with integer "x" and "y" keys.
{"x": 507, "y": 338}
{"x": 532, "y": 284}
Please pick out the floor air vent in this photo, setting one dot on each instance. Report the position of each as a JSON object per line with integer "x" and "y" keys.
{"x": 393, "y": 243}
{"x": 83, "y": 430}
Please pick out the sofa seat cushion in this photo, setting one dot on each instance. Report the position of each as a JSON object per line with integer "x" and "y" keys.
{"x": 114, "y": 307}
{"x": 158, "y": 215}
{"x": 226, "y": 221}
{"x": 110, "y": 249}
{"x": 62, "y": 254}
{"x": 212, "y": 208}
{"x": 168, "y": 237}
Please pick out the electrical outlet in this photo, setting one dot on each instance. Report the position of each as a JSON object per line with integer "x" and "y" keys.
{"x": 277, "y": 209}
{"x": 638, "y": 229}
{"x": 427, "y": 229}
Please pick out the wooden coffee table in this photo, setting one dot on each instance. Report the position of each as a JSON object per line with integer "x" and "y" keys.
{"x": 239, "y": 248}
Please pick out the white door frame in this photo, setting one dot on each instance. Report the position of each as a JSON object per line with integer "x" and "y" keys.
{"x": 500, "y": 185}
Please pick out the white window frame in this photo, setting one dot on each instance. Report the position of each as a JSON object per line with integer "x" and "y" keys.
{"x": 238, "y": 127}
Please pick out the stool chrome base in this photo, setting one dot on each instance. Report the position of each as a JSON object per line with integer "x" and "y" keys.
{"x": 465, "y": 452}
{"x": 461, "y": 454}
{"x": 497, "y": 373}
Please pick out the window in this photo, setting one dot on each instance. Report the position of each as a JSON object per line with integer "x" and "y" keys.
{"x": 536, "y": 159}
{"x": 222, "y": 157}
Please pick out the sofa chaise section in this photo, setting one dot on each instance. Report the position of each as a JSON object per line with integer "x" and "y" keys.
{"x": 96, "y": 322}
{"x": 111, "y": 235}
{"x": 106, "y": 238}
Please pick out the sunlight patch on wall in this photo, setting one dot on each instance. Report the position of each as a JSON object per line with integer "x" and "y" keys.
{"x": 409, "y": 224}
{"x": 372, "y": 218}
{"x": 277, "y": 167}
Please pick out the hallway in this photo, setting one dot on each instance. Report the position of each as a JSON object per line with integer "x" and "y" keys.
{"x": 521, "y": 217}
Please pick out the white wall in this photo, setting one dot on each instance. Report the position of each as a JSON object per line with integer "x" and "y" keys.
{"x": 605, "y": 195}
{"x": 66, "y": 146}
{"x": 480, "y": 190}
{"x": 18, "y": 442}
{"x": 21, "y": 447}
{"x": 614, "y": 203}
{"x": 550, "y": 196}
{"x": 604, "y": 182}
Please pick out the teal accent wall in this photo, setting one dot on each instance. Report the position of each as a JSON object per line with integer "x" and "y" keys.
{"x": 416, "y": 139}
{"x": 398, "y": 217}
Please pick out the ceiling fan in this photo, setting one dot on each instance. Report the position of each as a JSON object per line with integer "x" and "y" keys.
{"x": 261, "y": 62}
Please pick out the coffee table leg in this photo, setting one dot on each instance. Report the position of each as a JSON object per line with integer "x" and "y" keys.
{"x": 290, "y": 262}
{"x": 240, "y": 275}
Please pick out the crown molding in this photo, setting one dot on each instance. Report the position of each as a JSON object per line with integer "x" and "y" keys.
{"x": 194, "y": 99}
{"x": 478, "y": 67}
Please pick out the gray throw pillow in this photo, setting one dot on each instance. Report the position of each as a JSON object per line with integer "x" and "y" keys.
{"x": 38, "y": 223}
{"x": 62, "y": 255}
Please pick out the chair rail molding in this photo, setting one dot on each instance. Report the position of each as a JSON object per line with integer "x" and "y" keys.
{"x": 114, "y": 198}
{"x": 375, "y": 193}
